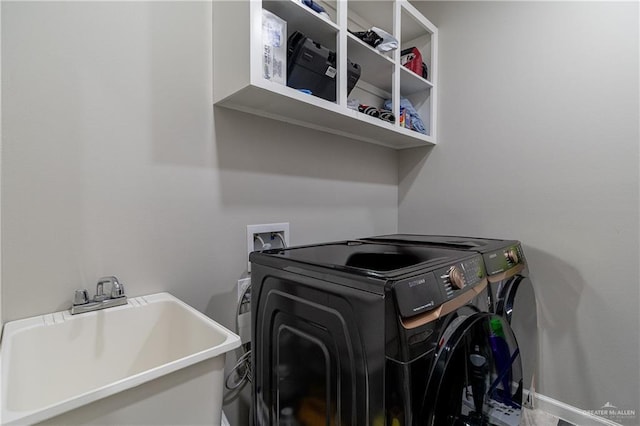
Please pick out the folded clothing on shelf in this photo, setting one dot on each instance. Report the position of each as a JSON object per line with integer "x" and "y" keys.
{"x": 377, "y": 38}
{"x": 315, "y": 7}
{"x": 388, "y": 43}
{"x": 381, "y": 113}
{"x": 409, "y": 117}
{"x": 369, "y": 37}
{"x": 369, "y": 110}
{"x": 386, "y": 115}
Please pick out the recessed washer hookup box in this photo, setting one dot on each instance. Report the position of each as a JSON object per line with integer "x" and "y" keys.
{"x": 274, "y": 48}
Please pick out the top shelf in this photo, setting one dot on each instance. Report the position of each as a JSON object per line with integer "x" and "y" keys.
{"x": 414, "y": 24}
{"x": 299, "y": 16}
{"x": 364, "y": 14}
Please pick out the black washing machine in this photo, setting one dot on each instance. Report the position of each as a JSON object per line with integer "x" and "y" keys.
{"x": 511, "y": 292}
{"x": 379, "y": 333}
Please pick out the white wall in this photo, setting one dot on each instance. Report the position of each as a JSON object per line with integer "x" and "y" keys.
{"x": 115, "y": 163}
{"x": 539, "y": 142}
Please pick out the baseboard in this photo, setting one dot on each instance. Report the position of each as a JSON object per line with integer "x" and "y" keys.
{"x": 569, "y": 413}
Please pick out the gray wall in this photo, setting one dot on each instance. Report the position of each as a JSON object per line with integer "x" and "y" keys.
{"x": 539, "y": 142}
{"x": 115, "y": 163}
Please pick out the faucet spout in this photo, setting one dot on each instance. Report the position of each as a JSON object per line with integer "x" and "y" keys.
{"x": 117, "y": 289}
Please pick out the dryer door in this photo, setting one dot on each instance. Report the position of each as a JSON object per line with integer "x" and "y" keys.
{"x": 517, "y": 304}
{"x": 476, "y": 377}
{"x": 516, "y": 298}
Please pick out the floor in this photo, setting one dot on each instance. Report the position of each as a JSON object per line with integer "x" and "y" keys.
{"x": 529, "y": 418}
{"x": 541, "y": 418}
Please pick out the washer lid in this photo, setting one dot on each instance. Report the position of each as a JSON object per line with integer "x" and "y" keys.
{"x": 502, "y": 258}
{"x": 380, "y": 260}
{"x": 452, "y": 242}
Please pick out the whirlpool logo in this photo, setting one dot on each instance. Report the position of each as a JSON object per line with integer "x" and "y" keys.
{"x": 611, "y": 412}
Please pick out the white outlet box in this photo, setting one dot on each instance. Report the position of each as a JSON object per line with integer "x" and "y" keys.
{"x": 266, "y": 236}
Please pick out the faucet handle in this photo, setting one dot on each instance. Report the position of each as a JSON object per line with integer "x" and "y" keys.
{"x": 117, "y": 289}
{"x": 81, "y": 297}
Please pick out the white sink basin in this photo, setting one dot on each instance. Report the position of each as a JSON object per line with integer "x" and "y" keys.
{"x": 59, "y": 363}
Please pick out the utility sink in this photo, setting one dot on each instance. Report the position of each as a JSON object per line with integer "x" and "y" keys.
{"x": 155, "y": 360}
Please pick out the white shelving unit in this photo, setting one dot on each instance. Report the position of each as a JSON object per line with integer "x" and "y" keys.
{"x": 239, "y": 84}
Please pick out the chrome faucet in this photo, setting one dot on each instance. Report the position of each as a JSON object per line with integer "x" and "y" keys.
{"x": 116, "y": 297}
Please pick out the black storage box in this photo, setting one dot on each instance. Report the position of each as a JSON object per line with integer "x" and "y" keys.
{"x": 310, "y": 66}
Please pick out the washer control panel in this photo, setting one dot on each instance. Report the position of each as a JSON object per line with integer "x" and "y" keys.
{"x": 457, "y": 278}
{"x": 427, "y": 291}
{"x": 504, "y": 259}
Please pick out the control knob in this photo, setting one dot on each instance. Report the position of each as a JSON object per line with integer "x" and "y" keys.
{"x": 512, "y": 256}
{"x": 456, "y": 277}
